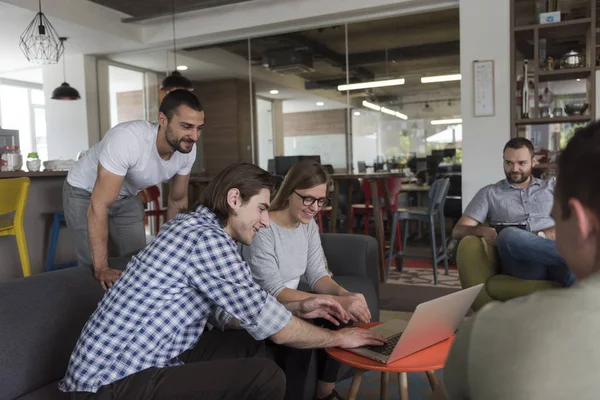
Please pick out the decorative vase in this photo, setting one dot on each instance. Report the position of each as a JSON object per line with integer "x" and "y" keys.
{"x": 33, "y": 165}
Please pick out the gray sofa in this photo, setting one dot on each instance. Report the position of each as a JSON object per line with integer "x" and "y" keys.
{"x": 41, "y": 316}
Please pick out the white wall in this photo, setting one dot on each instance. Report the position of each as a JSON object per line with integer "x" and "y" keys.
{"x": 264, "y": 122}
{"x": 484, "y": 35}
{"x": 66, "y": 121}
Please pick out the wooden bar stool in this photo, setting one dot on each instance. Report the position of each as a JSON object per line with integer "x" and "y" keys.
{"x": 13, "y": 198}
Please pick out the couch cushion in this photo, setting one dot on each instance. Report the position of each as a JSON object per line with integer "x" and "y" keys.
{"x": 42, "y": 317}
{"x": 48, "y": 392}
{"x": 505, "y": 287}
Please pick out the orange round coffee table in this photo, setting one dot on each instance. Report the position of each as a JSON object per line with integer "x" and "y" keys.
{"x": 427, "y": 360}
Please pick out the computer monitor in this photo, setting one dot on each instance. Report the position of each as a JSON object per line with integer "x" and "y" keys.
{"x": 449, "y": 152}
{"x": 362, "y": 167}
{"x": 271, "y": 166}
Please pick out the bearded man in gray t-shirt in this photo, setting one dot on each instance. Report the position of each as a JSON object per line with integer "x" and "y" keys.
{"x": 518, "y": 212}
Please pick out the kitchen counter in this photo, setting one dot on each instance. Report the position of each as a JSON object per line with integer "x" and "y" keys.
{"x": 41, "y": 174}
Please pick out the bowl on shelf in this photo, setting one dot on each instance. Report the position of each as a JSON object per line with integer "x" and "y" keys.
{"x": 576, "y": 108}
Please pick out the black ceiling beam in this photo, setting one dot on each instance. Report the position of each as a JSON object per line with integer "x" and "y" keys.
{"x": 182, "y": 9}
{"x": 406, "y": 53}
{"x": 330, "y": 56}
{"x": 328, "y": 83}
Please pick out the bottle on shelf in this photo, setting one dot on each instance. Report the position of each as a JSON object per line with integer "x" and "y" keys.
{"x": 525, "y": 92}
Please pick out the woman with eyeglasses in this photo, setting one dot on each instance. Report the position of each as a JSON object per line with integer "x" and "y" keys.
{"x": 289, "y": 251}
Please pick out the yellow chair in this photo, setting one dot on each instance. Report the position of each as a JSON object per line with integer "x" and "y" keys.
{"x": 13, "y": 198}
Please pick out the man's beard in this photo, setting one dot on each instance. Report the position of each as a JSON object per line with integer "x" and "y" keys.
{"x": 176, "y": 143}
{"x": 517, "y": 177}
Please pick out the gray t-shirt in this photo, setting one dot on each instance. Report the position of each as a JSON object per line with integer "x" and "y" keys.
{"x": 279, "y": 258}
{"x": 540, "y": 347}
{"x": 503, "y": 202}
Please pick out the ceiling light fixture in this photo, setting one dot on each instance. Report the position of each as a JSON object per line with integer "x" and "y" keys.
{"x": 388, "y": 111}
{"x": 182, "y": 68}
{"x": 383, "y": 110}
{"x": 40, "y": 42}
{"x": 371, "y": 105}
{"x": 274, "y": 91}
{"x": 320, "y": 103}
{"x": 446, "y": 121}
{"x": 357, "y": 113}
{"x": 368, "y": 85}
{"x": 441, "y": 78}
{"x": 175, "y": 80}
{"x": 65, "y": 91}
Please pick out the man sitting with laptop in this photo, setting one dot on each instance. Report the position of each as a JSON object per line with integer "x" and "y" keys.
{"x": 518, "y": 211}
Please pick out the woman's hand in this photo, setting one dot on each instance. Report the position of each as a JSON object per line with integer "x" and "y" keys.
{"x": 356, "y": 305}
{"x": 321, "y": 307}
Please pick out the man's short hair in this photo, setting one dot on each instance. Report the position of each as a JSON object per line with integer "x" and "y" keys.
{"x": 247, "y": 178}
{"x": 518, "y": 143}
{"x": 579, "y": 170}
{"x": 176, "y": 98}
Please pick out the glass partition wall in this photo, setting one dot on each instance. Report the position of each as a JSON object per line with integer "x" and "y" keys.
{"x": 362, "y": 96}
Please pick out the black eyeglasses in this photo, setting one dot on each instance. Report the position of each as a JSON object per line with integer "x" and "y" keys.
{"x": 309, "y": 200}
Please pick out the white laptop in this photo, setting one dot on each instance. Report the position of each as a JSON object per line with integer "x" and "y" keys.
{"x": 432, "y": 322}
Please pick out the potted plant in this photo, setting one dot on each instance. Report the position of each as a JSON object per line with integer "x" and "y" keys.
{"x": 33, "y": 162}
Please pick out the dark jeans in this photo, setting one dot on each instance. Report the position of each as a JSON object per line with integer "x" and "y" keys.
{"x": 222, "y": 365}
{"x": 296, "y": 364}
{"x": 528, "y": 256}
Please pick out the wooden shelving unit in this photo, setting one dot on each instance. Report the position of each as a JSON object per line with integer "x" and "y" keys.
{"x": 554, "y": 120}
{"x": 576, "y": 31}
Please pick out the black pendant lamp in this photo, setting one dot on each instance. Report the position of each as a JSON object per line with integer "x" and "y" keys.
{"x": 39, "y": 42}
{"x": 176, "y": 80}
{"x": 65, "y": 91}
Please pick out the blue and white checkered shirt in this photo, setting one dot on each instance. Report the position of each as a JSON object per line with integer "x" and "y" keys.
{"x": 159, "y": 306}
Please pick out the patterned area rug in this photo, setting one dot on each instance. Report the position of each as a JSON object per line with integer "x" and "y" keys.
{"x": 420, "y": 276}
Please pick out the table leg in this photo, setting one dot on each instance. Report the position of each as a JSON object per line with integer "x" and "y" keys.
{"x": 356, "y": 380}
{"x": 334, "y": 206}
{"x": 348, "y": 204}
{"x": 433, "y": 382}
{"x": 403, "y": 385}
{"x": 378, "y": 229}
{"x": 385, "y": 380}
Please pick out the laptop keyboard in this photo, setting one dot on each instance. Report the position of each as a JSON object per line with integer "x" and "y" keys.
{"x": 387, "y": 348}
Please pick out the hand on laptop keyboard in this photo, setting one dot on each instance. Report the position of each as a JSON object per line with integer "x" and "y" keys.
{"x": 387, "y": 348}
{"x": 349, "y": 338}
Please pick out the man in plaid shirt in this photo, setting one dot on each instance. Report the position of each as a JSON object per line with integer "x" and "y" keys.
{"x": 147, "y": 338}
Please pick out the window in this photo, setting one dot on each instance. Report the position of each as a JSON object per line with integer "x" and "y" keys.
{"x": 126, "y": 89}
{"x": 22, "y": 107}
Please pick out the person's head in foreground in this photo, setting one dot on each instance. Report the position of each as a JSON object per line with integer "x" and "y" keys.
{"x": 303, "y": 192}
{"x": 577, "y": 202}
{"x": 182, "y": 117}
{"x": 519, "y": 159}
{"x": 239, "y": 196}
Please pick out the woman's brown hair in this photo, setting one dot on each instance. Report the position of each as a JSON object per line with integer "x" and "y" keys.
{"x": 304, "y": 175}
